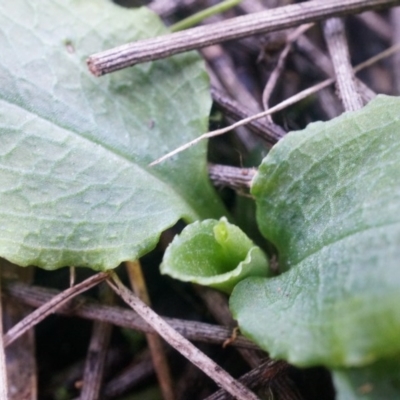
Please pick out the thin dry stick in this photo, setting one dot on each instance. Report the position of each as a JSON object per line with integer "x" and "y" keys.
{"x": 268, "y": 131}
{"x": 156, "y": 347}
{"x": 72, "y": 276}
{"x": 224, "y": 68}
{"x": 246, "y": 25}
{"x": 276, "y": 73}
{"x": 177, "y": 341}
{"x": 3, "y": 366}
{"x": 339, "y": 52}
{"x": 324, "y": 63}
{"x": 50, "y": 307}
{"x": 365, "y": 92}
{"x": 281, "y": 106}
{"x": 395, "y": 21}
{"x": 263, "y": 374}
{"x": 380, "y": 56}
{"x": 82, "y": 307}
{"x": 222, "y": 71}
{"x": 97, "y": 352}
{"x": 315, "y": 55}
{"x": 320, "y": 60}
{"x": 233, "y": 177}
{"x": 217, "y": 304}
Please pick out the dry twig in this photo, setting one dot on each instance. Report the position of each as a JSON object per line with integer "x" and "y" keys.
{"x": 267, "y": 131}
{"x": 264, "y": 374}
{"x": 276, "y": 73}
{"x": 281, "y": 106}
{"x": 89, "y": 309}
{"x": 178, "y": 342}
{"x": 345, "y": 79}
{"x": 217, "y": 304}
{"x": 97, "y": 352}
{"x": 226, "y": 176}
{"x": 270, "y": 20}
{"x": 156, "y": 347}
{"x": 395, "y": 19}
{"x": 50, "y": 307}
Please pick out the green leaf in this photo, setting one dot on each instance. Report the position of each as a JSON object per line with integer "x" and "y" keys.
{"x": 75, "y": 186}
{"x": 214, "y": 253}
{"x": 376, "y": 382}
{"x": 329, "y": 199}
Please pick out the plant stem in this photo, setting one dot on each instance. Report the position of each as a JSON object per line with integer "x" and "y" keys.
{"x": 196, "y": 18}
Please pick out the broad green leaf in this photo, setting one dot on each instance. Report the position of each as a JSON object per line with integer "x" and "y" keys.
{"x": 214, "y": 253}
{"x": 75, "y": 188}
{"x": 376, "y": 382}
{"x": 329, "y": 199}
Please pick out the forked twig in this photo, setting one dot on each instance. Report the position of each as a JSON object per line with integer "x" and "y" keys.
{"x": 187, "y": 349}
{"x": 48, "y": 308}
